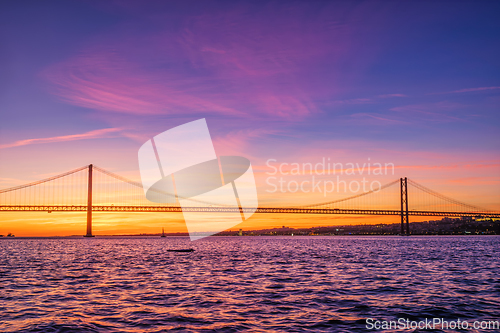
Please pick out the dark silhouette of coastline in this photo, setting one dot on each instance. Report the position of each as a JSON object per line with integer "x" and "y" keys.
{"x": 445, "y": 226}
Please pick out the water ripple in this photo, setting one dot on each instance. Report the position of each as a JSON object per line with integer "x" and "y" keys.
{"x": 229, "y": 284}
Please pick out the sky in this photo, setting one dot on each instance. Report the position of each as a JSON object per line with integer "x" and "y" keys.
{"x": 413, "y": 83}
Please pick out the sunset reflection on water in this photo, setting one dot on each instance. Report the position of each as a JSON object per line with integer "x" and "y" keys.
{"x": 244, "y": 283}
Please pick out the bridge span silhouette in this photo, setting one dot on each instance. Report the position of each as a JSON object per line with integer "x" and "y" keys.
{"x": 93, "y": 189}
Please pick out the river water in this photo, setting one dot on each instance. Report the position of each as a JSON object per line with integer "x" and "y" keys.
{"x": 258, "y": 284}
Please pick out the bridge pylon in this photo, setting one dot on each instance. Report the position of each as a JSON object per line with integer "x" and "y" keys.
{"x": 89, "y": 204}
{"x": 404, "y": 207}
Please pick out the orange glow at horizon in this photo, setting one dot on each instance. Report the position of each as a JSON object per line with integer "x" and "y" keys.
{"x": 43, "y": 224}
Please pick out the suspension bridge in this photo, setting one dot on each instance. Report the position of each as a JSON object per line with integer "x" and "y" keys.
{"x": 94, "y": 189}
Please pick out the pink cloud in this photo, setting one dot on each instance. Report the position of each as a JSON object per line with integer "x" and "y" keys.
{"x": 222, "y": 63}
{"x": 235, "y": 142}
{"x": 104, "y": 81}
{"x": 95, "y": 134}
{"x": 228, "y": 77}
{"x": 475, "y": 181}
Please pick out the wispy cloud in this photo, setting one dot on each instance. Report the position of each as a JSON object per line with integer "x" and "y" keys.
{"x": 105, "y": 81}
{"x": 466, "y": 90}
{"x": 235, "y": 142}
{"x": 95, "y": 134}
{"x": 475, "y": 181}
{"x": 382, "y": 119}
{"x": 435, "y": 112}
{"x": 206, "y": 68}
{"x": 392, "y": 95}
{"x": 352, "y": 101}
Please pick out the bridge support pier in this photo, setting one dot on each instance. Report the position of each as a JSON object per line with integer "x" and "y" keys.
{"x": 404, "y": 207}
{"x": 89, "y": 204}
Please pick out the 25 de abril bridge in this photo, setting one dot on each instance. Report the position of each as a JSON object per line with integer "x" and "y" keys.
{"x": 94, "y": 189}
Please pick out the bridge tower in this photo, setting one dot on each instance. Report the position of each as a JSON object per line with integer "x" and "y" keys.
{"x": 89, "y": 204}
{"x": 404, "y": 207}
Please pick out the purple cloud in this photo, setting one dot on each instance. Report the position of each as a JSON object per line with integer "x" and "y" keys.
{"x": 222, "y": 63}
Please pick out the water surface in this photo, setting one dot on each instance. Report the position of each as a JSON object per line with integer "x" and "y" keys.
{"x": 292, "y": 284}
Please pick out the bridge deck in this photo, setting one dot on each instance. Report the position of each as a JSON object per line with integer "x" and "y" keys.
{"x": 265, "y": 210}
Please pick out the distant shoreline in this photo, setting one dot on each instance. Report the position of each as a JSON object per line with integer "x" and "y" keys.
{"x": 270, "y": 236}
{"x": 443, "y": 227}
